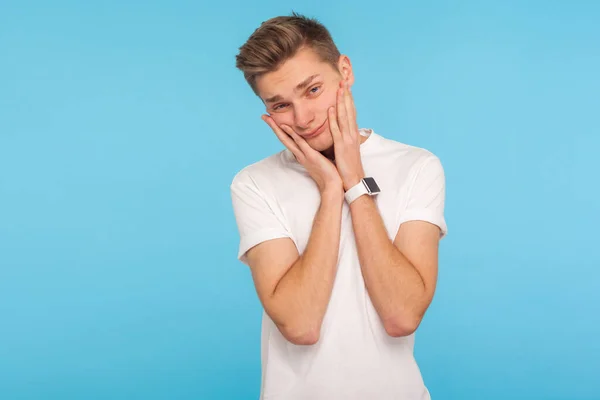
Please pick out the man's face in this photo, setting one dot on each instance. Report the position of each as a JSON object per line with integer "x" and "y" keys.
{"x": 301, "y": 91}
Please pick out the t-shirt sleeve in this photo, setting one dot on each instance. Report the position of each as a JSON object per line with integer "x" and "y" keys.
{"x": 256, "y": 219}
{"x": 426, "y": 197}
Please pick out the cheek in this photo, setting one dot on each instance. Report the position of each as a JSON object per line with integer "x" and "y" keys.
{"x": 283, "y": 118}
{"x": 327, "y": 100}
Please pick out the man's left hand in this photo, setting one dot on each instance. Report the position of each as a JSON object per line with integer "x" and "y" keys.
{"x": 346, "y": 138}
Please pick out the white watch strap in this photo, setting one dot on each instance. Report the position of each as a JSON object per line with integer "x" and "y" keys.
{"x": 355, "y": 192}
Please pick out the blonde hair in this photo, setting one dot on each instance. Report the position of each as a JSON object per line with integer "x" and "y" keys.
{"x": 279, "y": 39}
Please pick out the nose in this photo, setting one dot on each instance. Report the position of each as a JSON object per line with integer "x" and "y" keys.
{"x": 303, "y": 116}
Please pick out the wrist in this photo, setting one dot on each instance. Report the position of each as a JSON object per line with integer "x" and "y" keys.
{"x": 333, "y": 192}
{"x": 350, "y": 183}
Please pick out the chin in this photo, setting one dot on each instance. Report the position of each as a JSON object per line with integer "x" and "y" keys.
{"x": 321, "y": 147}
{"x": 323, "y": 142}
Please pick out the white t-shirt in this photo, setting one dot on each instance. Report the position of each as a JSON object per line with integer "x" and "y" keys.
{"x": 354, "y": 358}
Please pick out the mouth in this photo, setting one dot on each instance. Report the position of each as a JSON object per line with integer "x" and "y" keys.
{"x": 316, "y": 131}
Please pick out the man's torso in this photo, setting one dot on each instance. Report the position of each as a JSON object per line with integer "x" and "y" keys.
{"x": 354, "y": 357}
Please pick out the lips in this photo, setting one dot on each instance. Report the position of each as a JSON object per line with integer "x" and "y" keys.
{"x": 316, "y": 131}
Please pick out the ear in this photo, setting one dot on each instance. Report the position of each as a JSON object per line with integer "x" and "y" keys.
{"x": 345, "y": 68}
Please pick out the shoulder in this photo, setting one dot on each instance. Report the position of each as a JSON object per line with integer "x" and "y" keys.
{"x": 262, "y": 170}
{"x": 405, "y": 156}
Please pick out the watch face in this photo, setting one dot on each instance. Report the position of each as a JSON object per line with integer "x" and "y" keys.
{"x": 371, "y": 185}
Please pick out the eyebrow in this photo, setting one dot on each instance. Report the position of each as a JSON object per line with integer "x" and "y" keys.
{"x": 300, "y": 86}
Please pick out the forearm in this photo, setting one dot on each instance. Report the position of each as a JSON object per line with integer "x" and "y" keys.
{"x": 303, "y": 293}
{"x": 395, "y": 287}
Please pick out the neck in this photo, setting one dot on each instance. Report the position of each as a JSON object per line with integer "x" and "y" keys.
{"x": 330, "y": 152}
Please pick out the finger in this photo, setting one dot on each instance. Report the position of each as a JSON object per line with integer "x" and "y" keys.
{"x": 342, "y": 115}
{"x": 283, "y": 137}
{"x": 333, "y": 125}
{"x": 352, "y": 98}
{"x": 350, "y": 110}
{"x": 299, "y": 141}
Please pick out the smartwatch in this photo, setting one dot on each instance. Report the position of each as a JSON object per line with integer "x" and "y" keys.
{"x": 365, "y": 186}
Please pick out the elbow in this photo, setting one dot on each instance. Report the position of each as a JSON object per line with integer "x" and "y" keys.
{"x": 301, "y": 336}
{"x": 402, "y": 326}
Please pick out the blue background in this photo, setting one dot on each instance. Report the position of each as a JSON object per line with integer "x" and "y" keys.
{"x": 122, "y": 125}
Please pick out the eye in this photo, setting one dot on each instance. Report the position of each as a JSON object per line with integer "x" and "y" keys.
{"x": 279, "y": 106}
{"x": 315, "y": 89}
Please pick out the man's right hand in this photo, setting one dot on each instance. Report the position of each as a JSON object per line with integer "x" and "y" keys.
{"x": 319, "y": 167}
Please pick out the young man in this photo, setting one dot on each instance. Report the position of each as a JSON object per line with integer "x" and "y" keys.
{"x": 340, "y": 229}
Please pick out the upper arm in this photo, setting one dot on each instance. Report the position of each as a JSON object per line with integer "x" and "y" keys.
{"x": 269, "y": 261}
{"x": 422, "y": 223}
{"x": 418, "y": 242}
{"x": 266, "y": 244}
